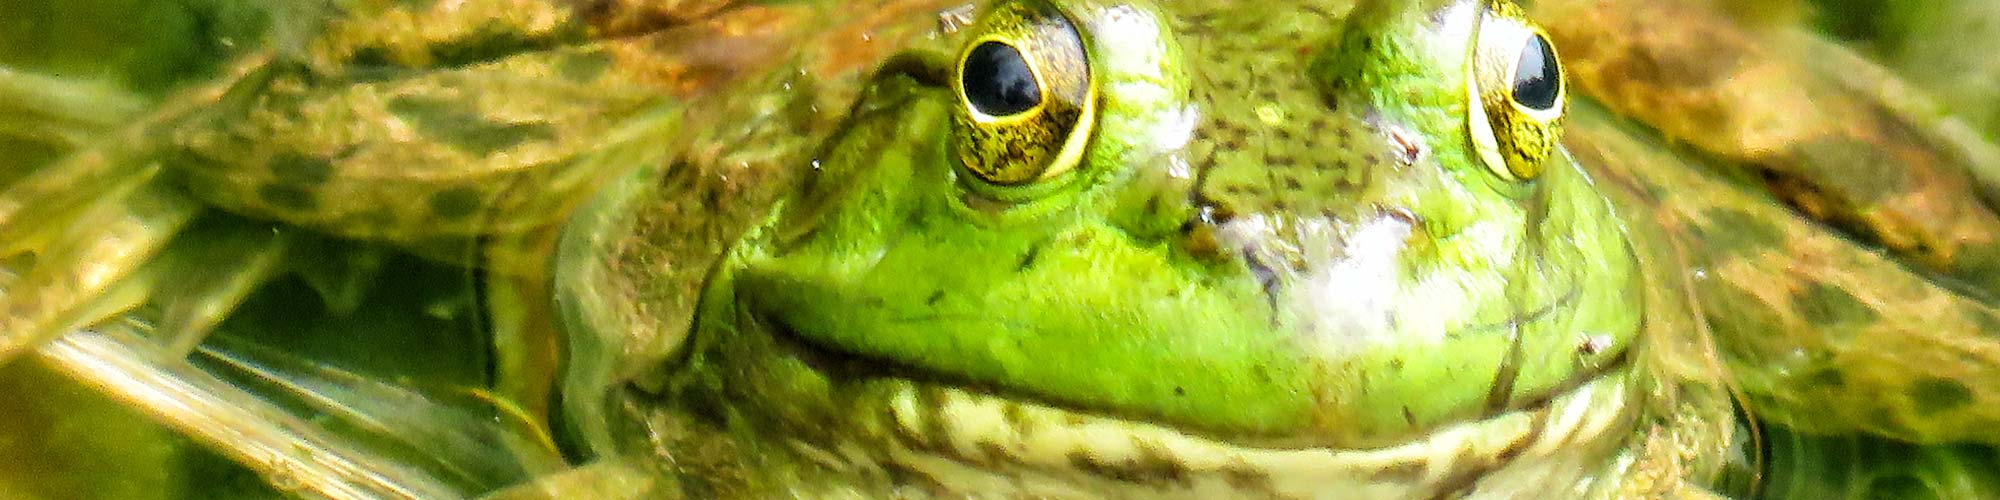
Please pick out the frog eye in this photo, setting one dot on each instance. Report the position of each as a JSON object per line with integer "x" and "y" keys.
{"x": 1516, "y": 94}
{"x": 1025, "y": 96}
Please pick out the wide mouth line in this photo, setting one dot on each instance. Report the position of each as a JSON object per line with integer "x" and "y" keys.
{"x": 1568, "y": 298}
{"x": 850, "y": 367}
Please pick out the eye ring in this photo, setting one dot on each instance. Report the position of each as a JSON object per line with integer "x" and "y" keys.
{"x": 1026, "y": 96}
{"x": 1516, "y": 94}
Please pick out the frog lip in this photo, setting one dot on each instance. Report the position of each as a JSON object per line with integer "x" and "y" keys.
{"x": 846, "y": 365}
{"x": 923, "y": 414}
{"x": 843, "y": 363}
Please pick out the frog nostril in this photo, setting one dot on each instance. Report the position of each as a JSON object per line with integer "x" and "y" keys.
{"x": 1213, "y": 213}
{"x": 1200, "y": 240}
{"x": 1198, "y": 232}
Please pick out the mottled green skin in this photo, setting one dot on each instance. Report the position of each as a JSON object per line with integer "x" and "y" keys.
{"x": 902, "y": 263}
{"x": 893, "y": 255}
{"x": 1186, "y": 273}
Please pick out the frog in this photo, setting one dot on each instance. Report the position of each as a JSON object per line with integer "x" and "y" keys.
{"x": 1070, "y": 249}
{"x": 926, "y": 205}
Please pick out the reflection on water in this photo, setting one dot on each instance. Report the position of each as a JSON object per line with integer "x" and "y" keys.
{"x": 1805, "y": 467}
{"x": 63, "y": 440}
{"x": 416, "y": 323}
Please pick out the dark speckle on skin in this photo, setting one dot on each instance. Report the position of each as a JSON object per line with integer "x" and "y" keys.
{"x": 936, "y": 428}
{"x": 453, "y": 123}
{"x": 380, "y": 218}
{"x": 457, "y": 203}
{"x": 1028, "y": 259}
{"x": 1245, "y": 477}
{"x": 1934, "y": 394}
{"x": 910, "y": 437}
{"x": 1731, "y": 308}
{"x": 991, "y": 451}
{"x": 492, "y": 41}
{"x": 1403, "y": 471}
{"x": 1153, "y": 467}
{"x": 584, "y": 67}
{"x": 1158, "y": 465}
{"x": 288, "y": 197}
{"x": 294, "y": 168}
{"x": 1733, "y": 232}
{"x": 1827, "y": 305}
{"x": 1017, "y": 418}
{"x": 371, "y": 55}
{"x": 1989, "y": 325}
{"x": 1898, "y": 486}
{"x": 1279, "y": 160}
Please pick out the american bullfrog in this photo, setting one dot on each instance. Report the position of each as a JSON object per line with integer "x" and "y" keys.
{"x": 1068, "y": 248}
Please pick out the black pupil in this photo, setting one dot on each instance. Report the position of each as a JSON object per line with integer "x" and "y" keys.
{"x": 997, "y": 80}
{"x": 1537, "y": 79}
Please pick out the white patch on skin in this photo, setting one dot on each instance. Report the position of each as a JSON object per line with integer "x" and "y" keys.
{"x": 1141, "y": 102}
{"x": 1174, "y": 132}
{"x": 1352, "y": 300}
{"x": 1437, "y": 302}
{"x": 1168, "y": 137}
{"x": 1128, "y": 32}
{"x": 953, "y": 19}
{"x": 1178, "y": 168}
{"x": 1341, "y": 283}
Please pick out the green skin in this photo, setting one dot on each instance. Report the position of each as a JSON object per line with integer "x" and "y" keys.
{"x": 1167, "y": 281}
{"x": 906, "y": 264}
{"x": 1278, "y": 266}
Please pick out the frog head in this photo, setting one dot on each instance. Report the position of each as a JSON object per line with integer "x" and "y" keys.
{"x": 1265, "y": 229}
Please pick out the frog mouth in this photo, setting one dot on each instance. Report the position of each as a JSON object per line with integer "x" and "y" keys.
{"x": 957, "y": 432}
